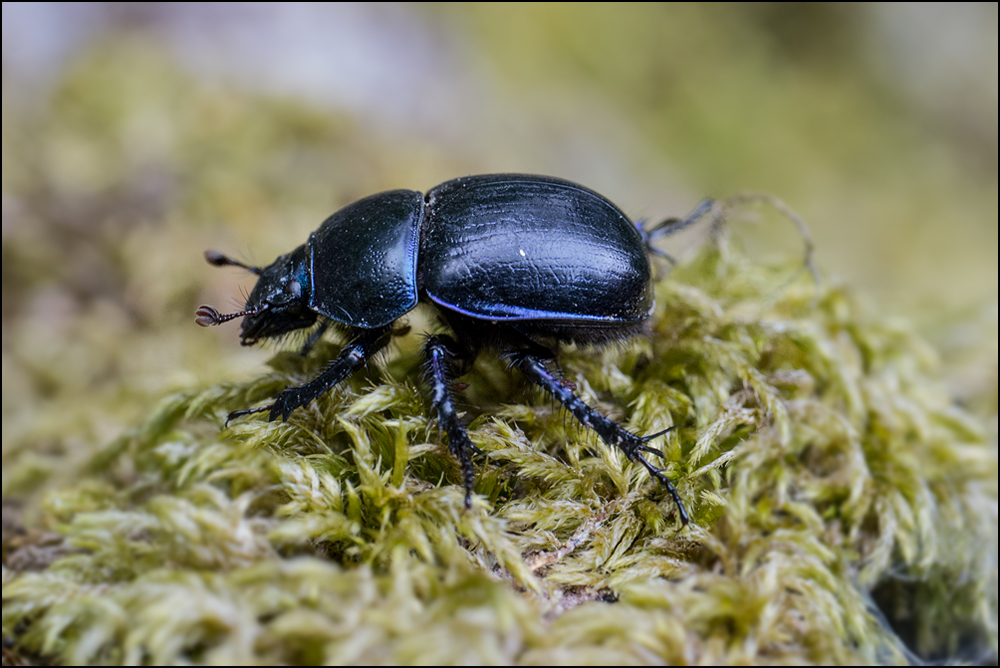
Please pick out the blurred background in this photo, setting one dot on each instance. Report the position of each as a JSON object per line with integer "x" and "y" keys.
{"x": 137, "y": 135}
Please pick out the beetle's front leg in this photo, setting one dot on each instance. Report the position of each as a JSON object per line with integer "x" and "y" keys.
{"x": 358, "y": 350}
{"x": 612, "y": 433}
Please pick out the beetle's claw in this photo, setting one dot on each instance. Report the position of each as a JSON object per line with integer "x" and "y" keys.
{"x": 665, "y": 481}
{"x": 245, "y": 411}
{"x": 652, "y": 451}
{"x": 653, "y": 437}
{"x": 634, "y": 446}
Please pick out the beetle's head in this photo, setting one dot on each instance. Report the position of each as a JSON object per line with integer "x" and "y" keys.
{"x": 278, "y": 304}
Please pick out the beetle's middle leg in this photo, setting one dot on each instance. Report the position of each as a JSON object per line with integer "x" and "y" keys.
{"x": 612, "y": 433}
{"x": 441, "y": 354}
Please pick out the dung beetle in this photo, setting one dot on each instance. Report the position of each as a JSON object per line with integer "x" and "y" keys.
{"x": 513, "y": 263}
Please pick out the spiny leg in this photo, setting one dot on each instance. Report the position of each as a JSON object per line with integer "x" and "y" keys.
{"x": 358, "y": 350}
{"x": 612, "y": 433}
{"x": 440, "y": 353}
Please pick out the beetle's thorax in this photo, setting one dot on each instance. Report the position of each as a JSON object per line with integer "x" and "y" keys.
{"x": 364, "y": 260}
{"x": 279, "y": 302}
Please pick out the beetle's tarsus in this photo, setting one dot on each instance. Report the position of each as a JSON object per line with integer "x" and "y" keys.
{"x": 608, "y": 430}
{"x": 246, "y": 411}
{"x": 665, "y": 481}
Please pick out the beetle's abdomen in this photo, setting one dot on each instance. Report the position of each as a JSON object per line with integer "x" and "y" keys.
{"x": 364, "y": 259}
{"x": 520, "y": 247}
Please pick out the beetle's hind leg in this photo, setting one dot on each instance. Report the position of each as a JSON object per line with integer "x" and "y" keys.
{"x": 612, "y": 433}
{"x": 441, "y": 354}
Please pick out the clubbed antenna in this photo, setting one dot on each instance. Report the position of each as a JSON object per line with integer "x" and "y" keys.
{"x": 217, "y": 259}
{"x": 209, "y": 316}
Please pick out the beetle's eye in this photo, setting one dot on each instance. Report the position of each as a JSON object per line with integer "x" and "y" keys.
{"x": 293, "y": 289}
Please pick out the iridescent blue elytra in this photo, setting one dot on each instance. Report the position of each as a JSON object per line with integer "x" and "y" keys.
{"x": 498, "y": 247}
{"x": 510, "y": 262}
{"x": 511, "y": 248}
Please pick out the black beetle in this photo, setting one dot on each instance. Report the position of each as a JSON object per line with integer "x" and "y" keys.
{"x": 511, "y": 262}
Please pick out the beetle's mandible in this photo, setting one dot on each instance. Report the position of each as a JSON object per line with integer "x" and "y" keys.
{"x": 513, "y": 263}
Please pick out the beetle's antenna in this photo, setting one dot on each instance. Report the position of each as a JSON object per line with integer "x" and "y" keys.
{"x": 217, "y": 259}
{"x": 209, "y": 316}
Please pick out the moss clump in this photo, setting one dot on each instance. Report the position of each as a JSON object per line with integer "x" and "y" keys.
{"x": 834, "y": 489}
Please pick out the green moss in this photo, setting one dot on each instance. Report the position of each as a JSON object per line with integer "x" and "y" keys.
{"x": 835, "y": 485}
{"x": 819, "y": 460}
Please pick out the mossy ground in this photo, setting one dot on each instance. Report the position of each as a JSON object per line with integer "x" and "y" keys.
{"x": 820, "y": 463}
{"x": 834, "y": 484}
